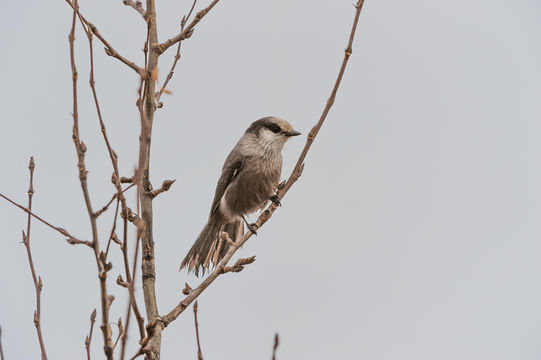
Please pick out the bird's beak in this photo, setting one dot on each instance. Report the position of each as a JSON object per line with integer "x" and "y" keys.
{"x": 291, "y": 133}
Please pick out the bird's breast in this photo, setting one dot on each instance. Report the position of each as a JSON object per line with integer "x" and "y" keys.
{"x": 253, "y": 186}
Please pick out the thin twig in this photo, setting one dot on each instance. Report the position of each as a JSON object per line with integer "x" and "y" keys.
{"x": 130, "y": 278}
{"x": 166, "y": 185}
{"x": 275, "y": 346}
{"x": 121, "y": 331}
{"x": 106, "y": 206}
{"x": 115, "y": 196}
{"x": 265, "y": 215}
{"x": 313, "y": 133}
{"x": 138, "y": 6}
{"x": 38, "y": 284}
{"x": 1, "y": 349}
{"x": 80, "y": 148}
{"x": 239, "y": 265}
{"x": 199, "y": 353}
{"x": 134, "y": 268}
{"x": 112, "y": 234}
{"x": 71, "y": 239}
{"x": 177, "y": 57}
{"x": 88, "y": 339}
{"x": 116, "y": 181}
{"x": 109, "y": 50}
{"x": 186, "y": 32}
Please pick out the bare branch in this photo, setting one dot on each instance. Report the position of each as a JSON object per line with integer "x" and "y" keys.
{"x": 275, "y": 346}
{"x": 1, "y": 349}
{"x": 140, "y": 320}
{"x": 199, "y": 353}
{"x": 299, "y": 166}
{"x": 80, "y": 242}
{"x": 158, "y": 95}
{"x": 106, "y": 206}
{"x": 38, "y": 284}
{"x": 120, "y": 331}
{"x": 109, "y": 50}
{"x": 137, "y": 5}
{"x": 112, "y": 234}
{"x": 187, "y": 289}
{"x": 88, "y": 339}
{"x": 266, "y": 215}
{"x": 239, "y": 265}
{"x": 186, "y": 32}
{"x": 116, "y": 181}
{"x": 71, "y": 239}
{"x": 166, "y": 185}
{"x": 80, "y": 149}
{"x": 146, "y": 108}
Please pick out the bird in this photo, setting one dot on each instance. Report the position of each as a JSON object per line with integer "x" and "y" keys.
{"x": 249, "y": 180}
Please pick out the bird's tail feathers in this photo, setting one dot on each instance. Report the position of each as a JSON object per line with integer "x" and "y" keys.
{"x": 210, "y": 247}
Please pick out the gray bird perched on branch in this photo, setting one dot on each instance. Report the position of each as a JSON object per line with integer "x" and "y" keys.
{"x": 250, "y": 178}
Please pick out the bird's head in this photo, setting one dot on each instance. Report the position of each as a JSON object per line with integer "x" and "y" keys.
{"x": 272, "y": 132}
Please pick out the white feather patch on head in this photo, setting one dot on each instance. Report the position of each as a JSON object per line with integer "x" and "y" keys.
{"x": 270, "y": 140}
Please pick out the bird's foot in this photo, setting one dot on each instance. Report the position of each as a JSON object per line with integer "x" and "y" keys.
{"x": 252, "y": 227}
{"x": 275, "y": 199}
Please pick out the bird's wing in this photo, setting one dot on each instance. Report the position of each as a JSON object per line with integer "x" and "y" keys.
{"x": 230, "y": 170}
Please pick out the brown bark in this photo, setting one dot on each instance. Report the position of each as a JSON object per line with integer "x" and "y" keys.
{"x": 148, "y": 258}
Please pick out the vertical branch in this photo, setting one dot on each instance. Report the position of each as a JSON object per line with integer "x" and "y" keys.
{"x": 199, "y": 353}
{"x": 38, "y": 285}
{"x": 275, "y": 346}
{"x": 80, "y": 149}
{"x": 88, "y": 339}
{"x": 140, "y": 230}
{"x": 147, "y": 117}
{"x": 135, "y": 256}
{"x": 1, "y": 350}
{"x": 120, "y": 193}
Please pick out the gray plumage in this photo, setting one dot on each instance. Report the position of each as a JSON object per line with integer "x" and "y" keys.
{"x": 250, "y": 177}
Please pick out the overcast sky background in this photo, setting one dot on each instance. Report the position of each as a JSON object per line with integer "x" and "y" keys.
{"x": 413, "y": 233}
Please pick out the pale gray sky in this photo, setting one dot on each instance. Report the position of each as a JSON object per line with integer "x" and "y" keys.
{"x": 413, "y": 233}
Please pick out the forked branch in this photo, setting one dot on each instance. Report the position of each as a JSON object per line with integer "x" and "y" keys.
{"x": 186, "y": 32}
{"x": 80, "y": 148}
{"x": 183, "y": 22}
{"x": 117, "y": 183}
{"x": 109, "y": 50}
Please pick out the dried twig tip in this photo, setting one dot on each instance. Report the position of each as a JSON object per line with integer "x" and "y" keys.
{"x": 239, "y": 265}
{"x": 187, "y": 289}
{"x": 275, "y": 347}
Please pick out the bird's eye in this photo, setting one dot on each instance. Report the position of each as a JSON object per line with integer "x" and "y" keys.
{"x": 274, "y": 128}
